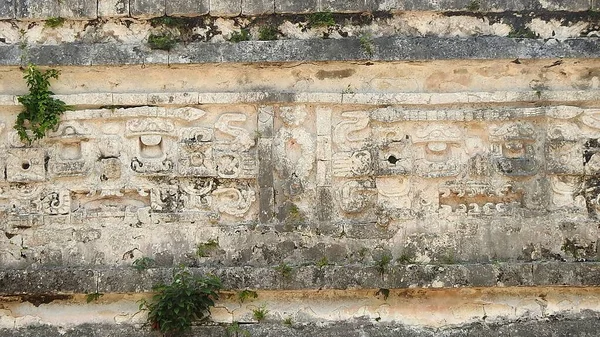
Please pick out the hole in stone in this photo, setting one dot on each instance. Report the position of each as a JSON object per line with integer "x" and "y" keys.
{"x": 392, "y": 160}
{"x": 25, "y": 165}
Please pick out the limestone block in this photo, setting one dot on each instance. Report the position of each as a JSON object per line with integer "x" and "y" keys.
{"x": 257, "y": 7}
{"x": 441, "y": 5}
{"x": 296, "y": 7}
{"x": 187, "y": 7}
{"x": 25, "y": 165}
{"x": 225, "y": 7}
{"x": 68, "y": 9}
{"x": 520, "y": 5}
{"x": 113, "y": 8}
{"x": 147, "y": 8}
{"x": 7, "y": 9}
{"x": 345, "y": 6}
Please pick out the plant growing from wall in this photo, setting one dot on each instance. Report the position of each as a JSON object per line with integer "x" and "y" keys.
{"x": 54, "y": 22}
{"x": 366, "y": 44}
{"x": 203, "y": 249}
{"x": 175, "y": 306}
{"x": 242, "y": 35}
{"x": 268, "y": 33}
{"x": 245, "y": 295}
{"x": 321, "y": 19}
{"x": 143, "y": 263}
{"x": 162, "y": 41}
{"x": 284, "y": 270}
{"x": 260, "y": 313}
{"x": 41, "y": 112}
{"x": 383, "y": 263}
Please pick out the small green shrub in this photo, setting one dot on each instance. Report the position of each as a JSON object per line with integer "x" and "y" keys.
{"x": 162, "y": 41}
{"x": 143, "y": 263}
{"x": 382, "y": 263}
{"x": 321, "y": 19}
{"x": 322, "y": 262}
{"x": 93, "y": 297}
{"x": 168, "y": 21}
{"x": 54, "y": 22}
{"x": 41, "y": 111}
{"x": 260, "y": 313}
{"x": 268, "y": 33}
{"x": 203, "y": 249}
{"x": 474, "y": 5}
{"x": 522, "y": 33}
{"x": 284, "y": 270}
{"x": 366, "y": 43}
{"x": 234, "y": 330}
{"x": 174, "y": 306}
{"x": 242, "y": 35}
{"x": 288, "y": 321}
{"x": 247, "y": 295}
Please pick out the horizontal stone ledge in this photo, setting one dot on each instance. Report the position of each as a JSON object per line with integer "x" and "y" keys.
{"x": 129, "y": 280}
{"x": 312, "y": 50}
{"x": 572, "y": 324}
{"x": 92, "y": 9}
{"x": 556, "y": 102}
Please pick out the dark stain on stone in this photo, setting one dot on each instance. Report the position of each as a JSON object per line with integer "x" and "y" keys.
{"x": 334, "y": 74}
{"x": 40, "y": 299}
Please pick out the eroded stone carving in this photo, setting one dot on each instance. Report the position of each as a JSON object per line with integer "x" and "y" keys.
{"x": 513, "y": 148}
{"x": 438, "y": 151}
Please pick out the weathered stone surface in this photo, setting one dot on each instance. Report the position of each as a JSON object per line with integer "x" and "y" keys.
{"x": 225, "y": 7}
{"x": 187, "y": 8}
{"x": 47, "y": 281}
{"x": 196, "y": 53}
{"x": 523, "y": 5}
{"x": 292, "y": 6}
{"x": 7, "y": 9}
{"x": 258, "y": 7}
{"x": 68, "y": 9}
{"x": 147, "y": 8}
{"x": 113, "y": 8}
{"x": 350, "y": 6}
{"x": 567, "y": 325}
{"x": 64, "y": 54}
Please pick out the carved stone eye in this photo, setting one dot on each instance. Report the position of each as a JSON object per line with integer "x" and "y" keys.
{"x": 437, "y": 146}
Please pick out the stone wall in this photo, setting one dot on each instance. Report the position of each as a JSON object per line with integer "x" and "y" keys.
{"x": 424, "y": 168}
{"x": 92, "y": 9}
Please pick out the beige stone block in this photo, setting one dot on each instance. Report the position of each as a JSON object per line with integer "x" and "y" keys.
{"x": 323, "y": 173}
{"x": 323, "y": 121}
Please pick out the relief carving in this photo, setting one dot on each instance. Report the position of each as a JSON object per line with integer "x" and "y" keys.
{"x": 513, "y": 148}
{"x": 478, "y": 198}
{"x": 234, "y": 201}
{"x": 241, "y": 139}
{"x": 25, "y": 165}
{"x": 352, "y": 133}
{"x": 567, "y": 192}
{"x": 356, "y": 196}
{"x": 438, "y": 151}
{"x": 352, "y": 164}
{"x": 153, "y": 148}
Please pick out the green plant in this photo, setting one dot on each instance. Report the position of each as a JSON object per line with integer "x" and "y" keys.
{"x": 203, "y": 249}
{"x": 406, "y": 258}
{"x": 288, "y": 321}
{"x": 474, "y": 5}
{"x": 168, "y": 21}
{"x": 246, "y": 295}
{"x": 348, "y": 90}
{"x": 242, "y": 35}
{"x": 382, "y": 263}
{"x": 268, "y": 33}
{"x": 93, "y": 297}
{"x": 260, "y": 313}
{"x": 143, "y": 263}
{"x": 174, "y": 306}
{"x": 366, "y": 43}
{"x": 54, "y": 22}
{"x": 162, "y": 41}
{"x": 41, "y": 111}
{"x": 322, "y": 262}
{"x": 284, "y": 270}
{"x": 234, "y": 330}
{"x": 522, "y": 33}
{"x": 321, "y": 19}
